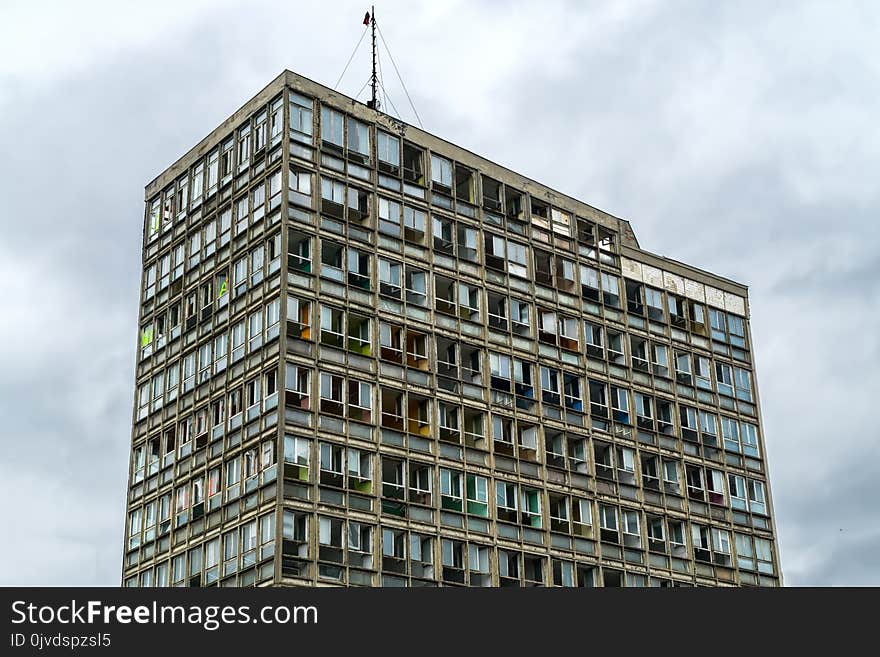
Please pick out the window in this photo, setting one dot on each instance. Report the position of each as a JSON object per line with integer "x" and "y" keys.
{"x": 189, "y": 371}
{"x": 360, "y": 466}
{"x": 444, "y": 235}
{"x": 331, "y": 126}
{"x": 451, "y": 553}
{"x": 467, "y": 243}
{"x": 414, "y": 224}
{"x": 660, "y": 359}
{"x": 561, "y": 222}
{"x": 298, "y": 314}
{"x": 273, "y": 319}
{"x": 721, "y": 546}
{"x": 360, "y": 537}
{"x": 237, "y": 341}
{"x": 589, "y": 283}
{"x": 359, "y": 269}
{"x": 213, "y": 163}
{"x": 715, "y": 484}
{"x": 255, "y": 330}
{"x": 244, "y": 147}
{"x": 358, "y": 139}
{"x": 198, "y": 181}
{"x": 531, "y": 507}
{"x": 332, "y": 320}
{"x": 478, "y": 562}
{"x": 608, "y": 521}
{"x": 331, "y": 457}
{"x": 331, "y": 392}
{"x": 670, "y": 477}
{"x": 610, "y": 290}
{"x": 441, "y": 171}
{"x": 360, "y": 400}
{"x": 749, "y": 433}
{"x": 506, "y": 500}
{"x": 745, "y": 553}
{"x": 632, "y": 536}
{"x": 743, "y": 382}
{"x": 332, "y": 256}
{"x": 764, "y": 552}
{"x": 520, "y": 317}
{"x": 620, "y": 405}
{"x": 301, "y": 117}
{"x": 688, "y": 418}
{"x": 547, "y": 326}
{"x": 413, "y": 164}
{"x": 550, "y": 386}
{"x": 568, "y": 333}
{"x": 654, "y": 301}
{"x": 708, "y": 428}
{"x": 730, "y": 434}
{"x": 700, "y": 539}
{"x": 389, "y": 217}
{"x": 724, "y": 377}
{"x": 450, "y": 490}
{"x": 757, "y": 502}
{"x": 204, "y": 362}
{"x": 416, "y": 286}
{"x": 252, "y": 392}
{"x": 737, "y": 487}
{"x": 499, "y": 369}
{"x": 737, "y": 328}
{"x": 388, "y": 150}
{"x": 478, "y": 495}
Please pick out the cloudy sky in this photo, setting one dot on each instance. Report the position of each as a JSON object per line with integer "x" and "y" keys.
{"x": 737, "y": 137}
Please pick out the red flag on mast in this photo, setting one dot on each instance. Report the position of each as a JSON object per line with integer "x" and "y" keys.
{"x": 367, "y": 18}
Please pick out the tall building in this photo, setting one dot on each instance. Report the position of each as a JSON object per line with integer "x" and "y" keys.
{"x": 368, "y": 356}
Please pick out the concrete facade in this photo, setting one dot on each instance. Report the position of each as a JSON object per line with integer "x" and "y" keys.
{"x": 370, "y": 357}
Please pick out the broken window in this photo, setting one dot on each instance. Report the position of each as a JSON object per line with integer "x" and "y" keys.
{"x": 359, "y": 206}
{"x": 520, "y": 316}
{"x": 416, "y": 286}
{"x": 491, "y": 194}
{"x": 444, "y": 235}
{"x": 561, "y": 222}
{"x": 390, "y": 342}
{"x": 497, "y": 305}
{"x": 331, "y": 393}
{"x": 464, "y": 184}
{"x": 540, "y": 214}
{"x": 543, "y": 267}
{"x": 413, "y": 164}
{"x": 389, "y": 278}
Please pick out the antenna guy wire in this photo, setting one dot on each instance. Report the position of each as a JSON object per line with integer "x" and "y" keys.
{"x": 354, "y": 52}
{"x": 388, "y": 50}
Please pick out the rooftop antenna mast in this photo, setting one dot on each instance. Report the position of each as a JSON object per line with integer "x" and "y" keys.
{"x": 374, "y": 78}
